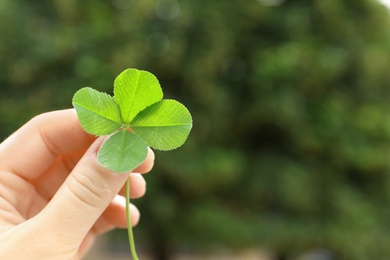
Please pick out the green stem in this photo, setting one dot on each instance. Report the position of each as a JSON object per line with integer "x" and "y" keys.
{"x": 129, "y": 227}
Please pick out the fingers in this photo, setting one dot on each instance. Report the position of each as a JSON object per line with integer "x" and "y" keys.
{"x": 137, "y": 186}
{"x": 147, "y": 165}
{"x": 84, "y": 196}
{"x": 137, "y": 190}
{"x": 48, "y": 183}
{"x": 115, "y": 216}
{"x": 39, "y": 142}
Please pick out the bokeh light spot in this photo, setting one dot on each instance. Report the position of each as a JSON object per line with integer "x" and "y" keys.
{"x": 271, "y": 2}
{"x": 385, "y": 3}
{"x": 167, "y": 9}
{"x": 122, "y": 4}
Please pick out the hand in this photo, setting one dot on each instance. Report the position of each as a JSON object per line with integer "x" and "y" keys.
{"x": 54, "y": 195}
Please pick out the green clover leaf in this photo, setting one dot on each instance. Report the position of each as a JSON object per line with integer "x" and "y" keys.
{"x": 98, "y": 112}
{"x": 164, "y": 125}
{"x": 134, "y": 90}
{"x": 136, "y": 117}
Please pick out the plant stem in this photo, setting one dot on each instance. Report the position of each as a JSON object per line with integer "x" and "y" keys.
{"x": 129, "y": 227}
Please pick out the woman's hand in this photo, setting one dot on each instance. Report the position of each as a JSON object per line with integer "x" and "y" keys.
{"x": 54, "y": 195}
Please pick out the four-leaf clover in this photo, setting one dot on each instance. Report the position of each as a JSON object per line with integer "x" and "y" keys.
{"x": 136, "y": 117}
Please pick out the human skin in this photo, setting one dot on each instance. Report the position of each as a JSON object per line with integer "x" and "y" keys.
{"x": 55, "y": 197}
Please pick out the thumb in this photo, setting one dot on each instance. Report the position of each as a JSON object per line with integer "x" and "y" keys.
{"x": 82, "y": 198}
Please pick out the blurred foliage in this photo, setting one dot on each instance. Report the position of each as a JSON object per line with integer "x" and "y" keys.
{"x": 291, "y": 141}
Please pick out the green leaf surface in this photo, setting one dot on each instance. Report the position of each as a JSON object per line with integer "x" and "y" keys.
{"x": 134, "y": 90}
{"x": 122, "y": 152}
{"x": 164, "y": 125}
{"x": 98, "y": 113}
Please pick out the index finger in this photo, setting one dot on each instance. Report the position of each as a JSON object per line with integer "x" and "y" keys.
{"x": 36, "y": 145}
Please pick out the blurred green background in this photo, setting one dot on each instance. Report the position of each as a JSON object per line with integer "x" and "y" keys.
{"x": 290, "y": 99}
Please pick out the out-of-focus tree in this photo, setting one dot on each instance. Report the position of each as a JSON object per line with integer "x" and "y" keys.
{"x": 291, "y": 141}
